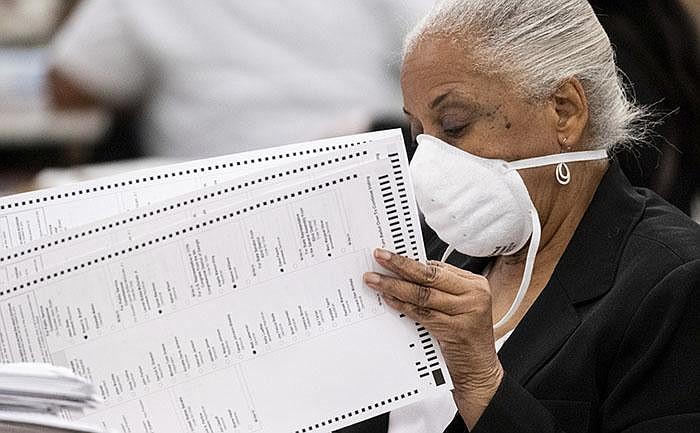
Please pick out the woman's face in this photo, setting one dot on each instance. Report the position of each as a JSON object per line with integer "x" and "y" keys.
{"x": 445, "y": 97}
{"x": 483, "y": 115}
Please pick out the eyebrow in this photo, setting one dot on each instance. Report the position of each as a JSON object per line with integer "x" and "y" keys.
{"x": 460, "y": 101}
{"x": 439, "y": 99}
{"x": 468, "y": 104}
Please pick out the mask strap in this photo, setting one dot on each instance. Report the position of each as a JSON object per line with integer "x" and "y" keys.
{"x": 450, "y": 249}
{"x": 527, "y": 274}
{"x": 540, "y": 161}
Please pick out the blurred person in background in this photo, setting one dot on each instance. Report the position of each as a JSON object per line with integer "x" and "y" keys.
{"x": 24, "y": 22}
{"x": 657, "y": 49}
{"x": 223, "y": 76}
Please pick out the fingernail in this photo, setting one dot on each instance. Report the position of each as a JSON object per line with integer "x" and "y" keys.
{"x": 371, "y": 278}
{"x": 382, "y": 254}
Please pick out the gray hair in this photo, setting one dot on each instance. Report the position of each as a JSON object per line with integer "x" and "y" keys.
{"x": 537, "y": 45}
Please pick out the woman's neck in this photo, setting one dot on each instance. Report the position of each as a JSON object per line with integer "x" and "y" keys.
{"x": 559, "y": 222}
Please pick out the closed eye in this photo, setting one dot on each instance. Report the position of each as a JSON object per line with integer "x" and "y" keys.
{"x": 455, "y": 131}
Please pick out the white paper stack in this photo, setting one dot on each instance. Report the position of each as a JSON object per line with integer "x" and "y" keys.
{"x": 33, "y": 395}
{"x": 223, "y": 294}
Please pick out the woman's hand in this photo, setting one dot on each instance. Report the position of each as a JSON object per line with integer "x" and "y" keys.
{"x": 455, "y": 306}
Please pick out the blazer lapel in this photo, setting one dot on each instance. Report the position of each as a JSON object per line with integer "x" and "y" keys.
{"x": 547, "y": 326}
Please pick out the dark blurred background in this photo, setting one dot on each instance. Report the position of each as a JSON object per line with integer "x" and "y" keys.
{"x": 657, "y": 48}
{"x": 93, "y": 87}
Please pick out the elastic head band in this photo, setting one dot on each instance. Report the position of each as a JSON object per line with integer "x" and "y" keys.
{"x": 539, "y": 161}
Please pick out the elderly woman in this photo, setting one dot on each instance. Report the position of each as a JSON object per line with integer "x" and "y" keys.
{"x": 602, "y": 334}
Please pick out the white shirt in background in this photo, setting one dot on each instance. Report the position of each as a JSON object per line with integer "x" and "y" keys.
{"x": 222, "y": 76}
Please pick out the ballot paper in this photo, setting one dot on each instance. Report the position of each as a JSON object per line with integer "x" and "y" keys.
{"x": 50, "y": 250}
{"x": 23, "y": 422}
{"x": 32, "y": 395}
{"x": 33, "y": 215}
{"x": 43, "y": 387}
{"x": 251, "y": 317}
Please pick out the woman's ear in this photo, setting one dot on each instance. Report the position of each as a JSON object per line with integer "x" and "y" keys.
{"x": 571, "y": 108}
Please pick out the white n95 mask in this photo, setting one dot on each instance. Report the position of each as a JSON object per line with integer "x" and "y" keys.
{"x": 479, "y": 206}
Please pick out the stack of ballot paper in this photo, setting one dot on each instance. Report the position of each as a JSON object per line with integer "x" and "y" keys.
{"x": 32, "y": 396}
{"x": 223, "y": 294}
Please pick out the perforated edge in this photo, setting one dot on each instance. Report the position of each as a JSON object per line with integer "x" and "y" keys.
{"x": 177, "y": 233}
{"x": 175, "y": 173}
{"x": 364, "y": 409}
{"x": 144, "y": 215}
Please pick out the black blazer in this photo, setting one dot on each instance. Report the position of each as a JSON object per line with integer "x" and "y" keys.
{"x": 613, "y": 342}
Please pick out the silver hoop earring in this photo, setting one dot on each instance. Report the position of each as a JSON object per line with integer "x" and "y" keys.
{"x": 563, "y": 174}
